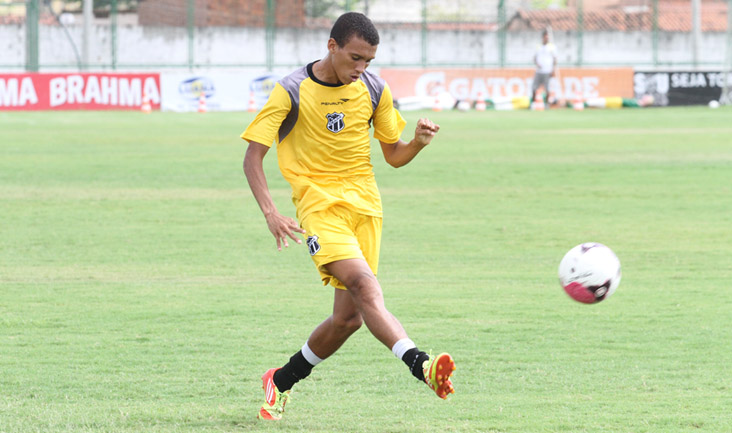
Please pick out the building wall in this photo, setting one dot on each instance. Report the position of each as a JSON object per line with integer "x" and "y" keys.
{"x": 156, "y": 47}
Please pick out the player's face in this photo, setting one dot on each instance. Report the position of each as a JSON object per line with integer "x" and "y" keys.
{"x": 352, "y": 59}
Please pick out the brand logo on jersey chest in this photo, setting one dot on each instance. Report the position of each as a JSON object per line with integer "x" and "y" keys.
{"x": 335, "y": 122}
{"x": 341, "y": 102}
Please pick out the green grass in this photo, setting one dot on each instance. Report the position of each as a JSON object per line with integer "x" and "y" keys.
{"x": 140, "y": 290}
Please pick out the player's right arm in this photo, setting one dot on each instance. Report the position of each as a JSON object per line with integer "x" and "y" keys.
{"x": 261, "y": 131}
{"x": 281, "y": 226}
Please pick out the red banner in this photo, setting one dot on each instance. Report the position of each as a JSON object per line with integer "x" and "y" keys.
{"x": 83, "y": 91}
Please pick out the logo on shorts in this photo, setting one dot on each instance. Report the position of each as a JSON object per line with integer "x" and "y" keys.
{"x": 335, "y": 122}
{"x": 313, "y": 245}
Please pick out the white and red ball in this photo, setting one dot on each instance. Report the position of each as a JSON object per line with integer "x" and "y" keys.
{"x": 589, "y": 272}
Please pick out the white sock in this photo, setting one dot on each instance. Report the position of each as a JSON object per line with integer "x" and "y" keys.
{"x": 309, "y": 355}
{"x": 401, "y": 347}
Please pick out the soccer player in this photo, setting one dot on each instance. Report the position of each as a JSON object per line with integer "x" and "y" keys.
{"x": 545, "y": 60}
{"x": 320, "y": 116}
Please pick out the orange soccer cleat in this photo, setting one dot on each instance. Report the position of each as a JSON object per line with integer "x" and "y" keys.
{"x": 437, "y": 373}
{"x": 274, "y": 400}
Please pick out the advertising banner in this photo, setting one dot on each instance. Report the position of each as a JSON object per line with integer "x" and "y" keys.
{"x": 79, "y": 91}
{"x": 681, "y": 87}
{"x": 568, "y": 83}
{"x": 217, "y": 91}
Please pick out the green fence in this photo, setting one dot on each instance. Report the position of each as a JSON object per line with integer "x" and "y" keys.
{"x": 135, "y": 34}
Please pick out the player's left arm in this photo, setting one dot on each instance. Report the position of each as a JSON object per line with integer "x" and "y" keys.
{"x": 401, "y": 153}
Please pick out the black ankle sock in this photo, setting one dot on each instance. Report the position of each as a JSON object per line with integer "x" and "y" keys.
{"x": 297, "y": 369}
{"x": 414, "y": 358}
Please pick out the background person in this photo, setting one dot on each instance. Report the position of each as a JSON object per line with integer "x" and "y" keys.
{"x": 545, "y": 59}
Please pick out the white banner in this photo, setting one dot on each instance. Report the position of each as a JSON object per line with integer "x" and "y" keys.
{"x": 219, "y": 91}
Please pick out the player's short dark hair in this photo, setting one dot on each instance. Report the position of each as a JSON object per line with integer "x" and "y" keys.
{"x": 354, "y": 23}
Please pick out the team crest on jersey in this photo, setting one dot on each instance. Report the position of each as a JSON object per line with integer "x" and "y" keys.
{"x": 335, "y": 122}
{"x": 313, "y": 245}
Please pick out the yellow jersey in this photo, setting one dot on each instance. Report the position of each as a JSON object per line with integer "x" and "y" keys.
{"x": 322, "y": 135}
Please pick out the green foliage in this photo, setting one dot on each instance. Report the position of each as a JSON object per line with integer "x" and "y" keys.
{"x": 548, "y": 4}
{"x": 140, "y": 290}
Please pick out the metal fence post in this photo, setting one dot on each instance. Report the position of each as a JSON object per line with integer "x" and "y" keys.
{"x": 270, "y": 34}
{"x": 31, "y": 35}
{"x": 654, "y": 36}
{"x": 580, "y": 31}
{"x": 424, "y": 33}
{"x": 190, "y": 22}
{"x": 726, "y": 96}
{"x": 696, "y": 32}
{"x": 113, "y": 33}
{"x": 502, "y": 33}
{"x": 729, "y": 39}
{"x": 88, "y": 13}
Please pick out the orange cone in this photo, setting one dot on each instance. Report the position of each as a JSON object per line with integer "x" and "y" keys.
{"x": 538, "y": 104}
{"x": 252, "y": 108}
{"x": 480, "y": 102}
{"x": 145, "y": 107}
{"x": 578, "y": 104}
{"x": 202, "y": 103}
{"x": 437, "y": 106}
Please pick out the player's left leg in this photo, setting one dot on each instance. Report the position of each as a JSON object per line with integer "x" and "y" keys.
{"x": 368, "y": 298}
{"x": 437, "y": 373}
{"x": 363, "y": 300}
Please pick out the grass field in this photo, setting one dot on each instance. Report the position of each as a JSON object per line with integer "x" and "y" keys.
{"x": 140, "y": 290}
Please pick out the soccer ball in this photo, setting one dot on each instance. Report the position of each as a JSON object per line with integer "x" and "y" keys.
{"x": 589, "y": 272}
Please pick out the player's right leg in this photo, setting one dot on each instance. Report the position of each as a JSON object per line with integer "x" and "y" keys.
{"x": 274, "y": 399}
{"x": 328, "y": 337}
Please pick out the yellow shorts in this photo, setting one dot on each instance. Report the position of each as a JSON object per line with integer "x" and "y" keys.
{"x": 339, "y": 233}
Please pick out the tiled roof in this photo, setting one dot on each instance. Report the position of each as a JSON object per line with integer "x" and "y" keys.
{"x": 671, "y": 18}
{"x": 45, "y": 19}
{"x": 678, "y": 18}
{"x": 11, "y": 19}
